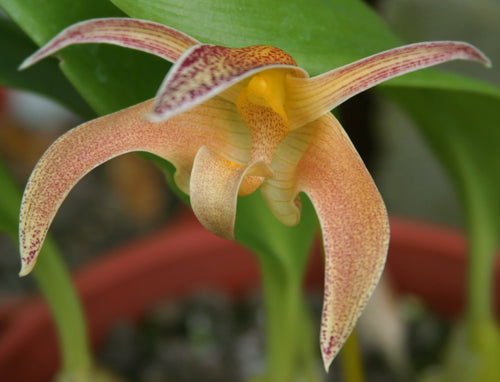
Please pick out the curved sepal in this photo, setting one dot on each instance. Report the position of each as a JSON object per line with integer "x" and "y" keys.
{"x": 207, "y": 70}
{"x": 147, "y": 36}
{"x": 311, "y": 98}
{"x": 85, "y": 147}
{"x": 354, "y": 224}
{"x": 320, "y": 160}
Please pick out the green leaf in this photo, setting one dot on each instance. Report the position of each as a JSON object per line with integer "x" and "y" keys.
{"x": 45, "y": 79}
{"x": 108, "y": 77}
{"x": 331, "y": 32}
{"x": 463, "y": 129}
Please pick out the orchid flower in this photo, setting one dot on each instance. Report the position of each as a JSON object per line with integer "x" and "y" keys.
{"x": 231, "y": 121}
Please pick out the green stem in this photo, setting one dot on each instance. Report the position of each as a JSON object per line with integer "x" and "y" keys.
{"x": 56, "y": 286}
{"x": 290, "y": 351}
{"x": 351, "y": 360}
{"x": 473, "y": 352}
{"x": 482, "y": 249}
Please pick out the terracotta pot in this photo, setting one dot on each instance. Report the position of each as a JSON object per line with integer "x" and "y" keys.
{"x": 181, "y": 259}
{"x": 430, "y": 262}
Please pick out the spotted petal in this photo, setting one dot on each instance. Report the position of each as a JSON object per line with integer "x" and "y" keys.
{"x": 207, "y": 70}
{"x": 311, "y": 98}
{"x": 147, "y": 36}
{"x": 81, "y": 149}
{"x": 352, "y": 215}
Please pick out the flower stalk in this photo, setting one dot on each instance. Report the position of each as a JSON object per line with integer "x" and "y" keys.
{"x": 56, "y": 287}
{"x": 351, "y": 360}
{"x": 482, "y": 333}
{"x": 289, "y": 357}
{"x": 58, "y": 290}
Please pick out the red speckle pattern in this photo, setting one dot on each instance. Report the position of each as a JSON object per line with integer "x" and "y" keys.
{"x": 314, "y": 97}
{"x": 146, "y": 36}
{"x": 320, "y": 160}
{"x": 85, "y": 147}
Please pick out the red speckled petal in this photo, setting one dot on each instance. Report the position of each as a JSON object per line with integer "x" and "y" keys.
{"x": 352, "y": 215}
{"x": 309, "y": 99}
{"x": 355, "y": 229}
{"x": 206, "y": 70}
{"x": 143, "y": 35}
{"x": 215, "y": 124}
{"x": 215, "y": 182}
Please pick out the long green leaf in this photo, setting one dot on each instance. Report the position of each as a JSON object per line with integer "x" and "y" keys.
{"x": 303, "y": 28}
{"x": 463, "y": 129}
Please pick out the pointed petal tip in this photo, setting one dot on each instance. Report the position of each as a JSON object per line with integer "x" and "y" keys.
{"x": 31, "y": 240}
{"x": 24, "y": 271}
{"x": 26, "y": 63}
{"x": 327, "y": 361}
{"x": 35, "y": 58}
{"x": 32, "y": 59}
{"x": 26, "y": 267}
{"x": 485, "y": 60}
{"x": 475, "y": 54}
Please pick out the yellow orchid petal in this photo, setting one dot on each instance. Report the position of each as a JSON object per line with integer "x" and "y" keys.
{"x": 352, "y": 215}
{"x": 147, "y": 36}
{"x": 310, "y": 98}
{"x": 207, "y": 70}
{"x": 215, "y": 182}
{"x": 83, "y": 148}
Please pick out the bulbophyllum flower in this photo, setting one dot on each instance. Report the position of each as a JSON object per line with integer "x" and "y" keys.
{"x": 233, "y": 120}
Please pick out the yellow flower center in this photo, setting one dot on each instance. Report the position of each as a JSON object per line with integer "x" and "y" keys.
{"x": 261, "y": 106}
{"x": 266, "y": 89}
